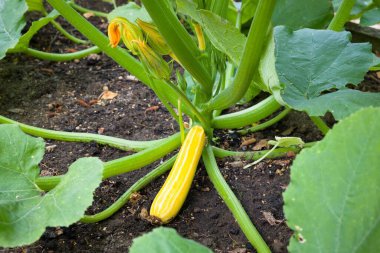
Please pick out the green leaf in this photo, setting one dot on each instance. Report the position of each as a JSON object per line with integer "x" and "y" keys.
{"x": 11, "y": 23}
{"x": 268, "y": 80}
{"x": 35, "y": 5}
{"x": 224, "y": 36}
{"x": 34, "y": 28}
{"x": 359, "y": 6}
{"x": 298, "y": 14}
{"x": 309, "y": 62}
{"x": 341, "y": 103}
{"x": 370, "y": 17}
{"x": 25, "y": 210}
{"x": 188, "y": 8}
{"x": 165, "y": 240}
{"x": 375, "y": 66}
{"x": 130, "y": 11}
{"x": 332, "y": 200}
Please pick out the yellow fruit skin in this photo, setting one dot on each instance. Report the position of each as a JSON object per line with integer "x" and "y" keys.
{"x": 172, "y": 195}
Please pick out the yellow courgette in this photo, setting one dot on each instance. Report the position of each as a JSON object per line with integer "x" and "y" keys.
{"x": 172, "y": 195}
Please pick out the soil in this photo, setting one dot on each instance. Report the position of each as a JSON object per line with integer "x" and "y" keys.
{"x": 58, "y": 95}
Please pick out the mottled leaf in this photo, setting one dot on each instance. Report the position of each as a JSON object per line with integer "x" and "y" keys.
{"x": 165, "y": 240}
{"x": 332, "y": 201}
{"x": 11, "y": 23}
{"x": 25, "y": 210}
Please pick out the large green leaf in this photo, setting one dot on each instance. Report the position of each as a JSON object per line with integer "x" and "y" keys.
{"x": 370, "y": 17}
{"x": 11, "y": 23}
{"x": 332, "y": 201}
{"x": 25, "y": 210}
{"x": 165, "y": 240}
{"x": 130, "y": 11}
{"x": 298, "y": 14}
{"x": 341, "y": 103}
{"x": 359, "y": 6}
{"x": 34, "y": 28}
{"x": 309, "y": 62}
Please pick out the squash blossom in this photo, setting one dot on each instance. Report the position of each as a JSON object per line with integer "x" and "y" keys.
{"x": 154, "y": 38}
{"x": 121, "y": 28}
{"x": 114, "y": 32}
{"x": 157, "y": 66}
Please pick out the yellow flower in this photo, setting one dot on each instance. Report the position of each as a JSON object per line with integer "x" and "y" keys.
{"x": 114, "y": 32}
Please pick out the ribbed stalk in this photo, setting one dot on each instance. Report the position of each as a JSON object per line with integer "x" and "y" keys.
{"x": 342, "y": 15}
{"x": 247, "y": 116}
{"x": 232, "y": 202}
{"x": 265, "y": 124}
{"x": 124, "y": 164}
{"x": 179, "y": 41}
{"x": 61, "y": 57}
{"x": 250, "y": 60}
{"x": 118, "y": 143}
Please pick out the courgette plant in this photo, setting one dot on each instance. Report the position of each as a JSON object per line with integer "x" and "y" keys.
{"x": 230, "y": 53}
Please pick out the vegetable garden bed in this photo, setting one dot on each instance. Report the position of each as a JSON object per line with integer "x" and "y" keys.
{"x": 79, "y": 96}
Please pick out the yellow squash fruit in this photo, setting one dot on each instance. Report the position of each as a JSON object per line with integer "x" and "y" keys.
{"x": 172, "y": 195}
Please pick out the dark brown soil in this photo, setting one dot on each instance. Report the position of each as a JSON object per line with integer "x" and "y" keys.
{"x": 55, "y": 96}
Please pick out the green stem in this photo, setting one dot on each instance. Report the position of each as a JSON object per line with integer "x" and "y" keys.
{"x": 67, "y": 34}
{"x": 121, "y": 56}
{"x": 141, "y": 183}
{"x": 266, "y": 124}
{"x": 178, "y": 39}
{"x": 251, "y": 57}
{"x": 247, "y": 116}
{"x": 255, "y": 155}
{"x": 56, "y": 56}
{"x": 320, "y": 124}
{"x": 124, "y": 164}
{"x": 232, "y": 202}
{"x": 118, "y": 143}
{"x": 173, "y": 93}
{"x": 84, "y": 10}
{"x": 342, "y": 15}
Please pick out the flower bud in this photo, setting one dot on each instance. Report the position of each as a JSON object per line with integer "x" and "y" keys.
{"x": 157, "y": 67}
{"x": 130, "y": 33}
{"x": 154, "y": 38}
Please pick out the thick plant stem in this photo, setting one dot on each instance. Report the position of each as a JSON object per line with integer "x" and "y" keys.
{"x": 121, "y": 56}
{"x": 250, "y": 60}
{"x": 342, "y": 15}
{"x": 141, "y": 183}
{"x": 232, "y": 202}
{"x": 247, "y": 116}
{"x": 84, "y": 10}
{"x": 181, "y": 43}
{"x": 61, "y": 57}
{"x": 320, "y": 124}
{"x": 124, "y": 164}
{"x": 266, "y": 124}
{"x": 67, "y": 34}
{"x": 118, "y": 143}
